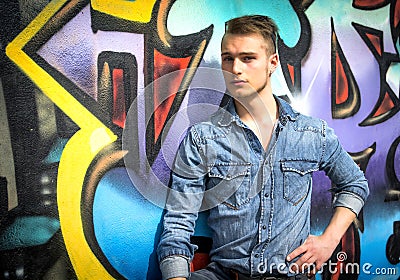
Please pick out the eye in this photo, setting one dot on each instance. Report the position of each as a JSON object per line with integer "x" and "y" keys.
{"x": 227, "y": 58}
{"x": 248, "y": 58}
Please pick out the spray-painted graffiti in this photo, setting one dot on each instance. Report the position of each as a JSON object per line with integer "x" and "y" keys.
{"x": 86, "y": 105}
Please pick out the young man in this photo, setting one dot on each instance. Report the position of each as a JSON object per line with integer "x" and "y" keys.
{"x": 251, "y": 165}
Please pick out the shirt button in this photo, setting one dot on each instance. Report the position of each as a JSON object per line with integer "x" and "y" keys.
{"x": 266, "y": 195}
{"x": 256, "y": 255}
{"x": 264, "y": 227}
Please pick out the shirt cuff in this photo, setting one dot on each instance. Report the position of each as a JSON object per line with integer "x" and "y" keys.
{"x": 174, "y": 266}
{"x": 350, "y": 201}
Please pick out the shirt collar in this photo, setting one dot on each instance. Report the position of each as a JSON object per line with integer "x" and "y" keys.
{"x": 286, "y": 111}
{"x": 229, "y": 114}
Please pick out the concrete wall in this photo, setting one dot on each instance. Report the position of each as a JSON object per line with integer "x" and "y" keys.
{"x": 96, "y": 95}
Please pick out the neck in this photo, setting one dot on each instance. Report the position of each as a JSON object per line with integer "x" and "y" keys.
{"x": 259, "y": 108}
{"x": 259, "y": 113}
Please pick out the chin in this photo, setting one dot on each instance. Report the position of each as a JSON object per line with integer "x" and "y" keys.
{"x": 241, "y": 92}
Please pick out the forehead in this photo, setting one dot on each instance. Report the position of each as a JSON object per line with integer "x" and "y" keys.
{"x": 243, "y": 43}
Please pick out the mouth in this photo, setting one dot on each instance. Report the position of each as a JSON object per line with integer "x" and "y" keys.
{"x": 237, "y": 82}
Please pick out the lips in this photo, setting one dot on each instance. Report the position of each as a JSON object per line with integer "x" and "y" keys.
{"x": 237, "y": 82}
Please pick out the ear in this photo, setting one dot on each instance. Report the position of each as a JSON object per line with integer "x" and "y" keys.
{"x": 273, "y": 62}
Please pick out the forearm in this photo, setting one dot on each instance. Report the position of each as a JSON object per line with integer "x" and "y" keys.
{"x": 338, "y": 225}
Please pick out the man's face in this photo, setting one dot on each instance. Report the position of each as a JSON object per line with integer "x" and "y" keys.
{"x": 246, "y": 64}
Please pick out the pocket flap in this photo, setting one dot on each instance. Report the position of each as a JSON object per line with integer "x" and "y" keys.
{"x": 229, "y": 171}
{"x": 298, "y": 166}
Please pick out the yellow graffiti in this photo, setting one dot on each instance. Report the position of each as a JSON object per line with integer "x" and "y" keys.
{"x": 137, "y": 11}
{"x": 78, "y": 153}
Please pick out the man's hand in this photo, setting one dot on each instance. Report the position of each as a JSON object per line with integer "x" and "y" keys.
{"x": 317, "y": 250}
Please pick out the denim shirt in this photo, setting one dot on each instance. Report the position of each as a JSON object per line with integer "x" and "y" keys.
{"x": 259, "y": 200}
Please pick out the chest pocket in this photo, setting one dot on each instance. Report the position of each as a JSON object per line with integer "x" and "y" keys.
{"x": 297, "y": 177}
{"x": 231, "y": 181}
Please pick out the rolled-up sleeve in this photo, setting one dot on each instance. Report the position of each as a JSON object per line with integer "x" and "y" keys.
{"x": 175, "y": 266}
{"x": 349, "y": 200}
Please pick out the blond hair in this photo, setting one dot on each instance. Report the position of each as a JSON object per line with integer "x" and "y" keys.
{"x": 254, "y": 24}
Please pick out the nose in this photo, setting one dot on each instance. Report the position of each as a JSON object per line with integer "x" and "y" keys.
{"x": 237, "y": 67}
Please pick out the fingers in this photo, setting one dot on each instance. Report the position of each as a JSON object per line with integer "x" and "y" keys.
{"x": 297, "y": 252}
{"x": 310, "y": 256}
{"x": 301, "y": 249}
{"x": 305, "y": 264}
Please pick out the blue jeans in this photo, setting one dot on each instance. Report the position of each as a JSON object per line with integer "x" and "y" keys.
{"x": 212, "y": 272}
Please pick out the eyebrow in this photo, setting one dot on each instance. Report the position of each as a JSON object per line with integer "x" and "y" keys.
{"x": 241, "y": 53}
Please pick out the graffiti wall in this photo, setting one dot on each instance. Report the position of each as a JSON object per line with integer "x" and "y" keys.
{"x": 95, "y": 97}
